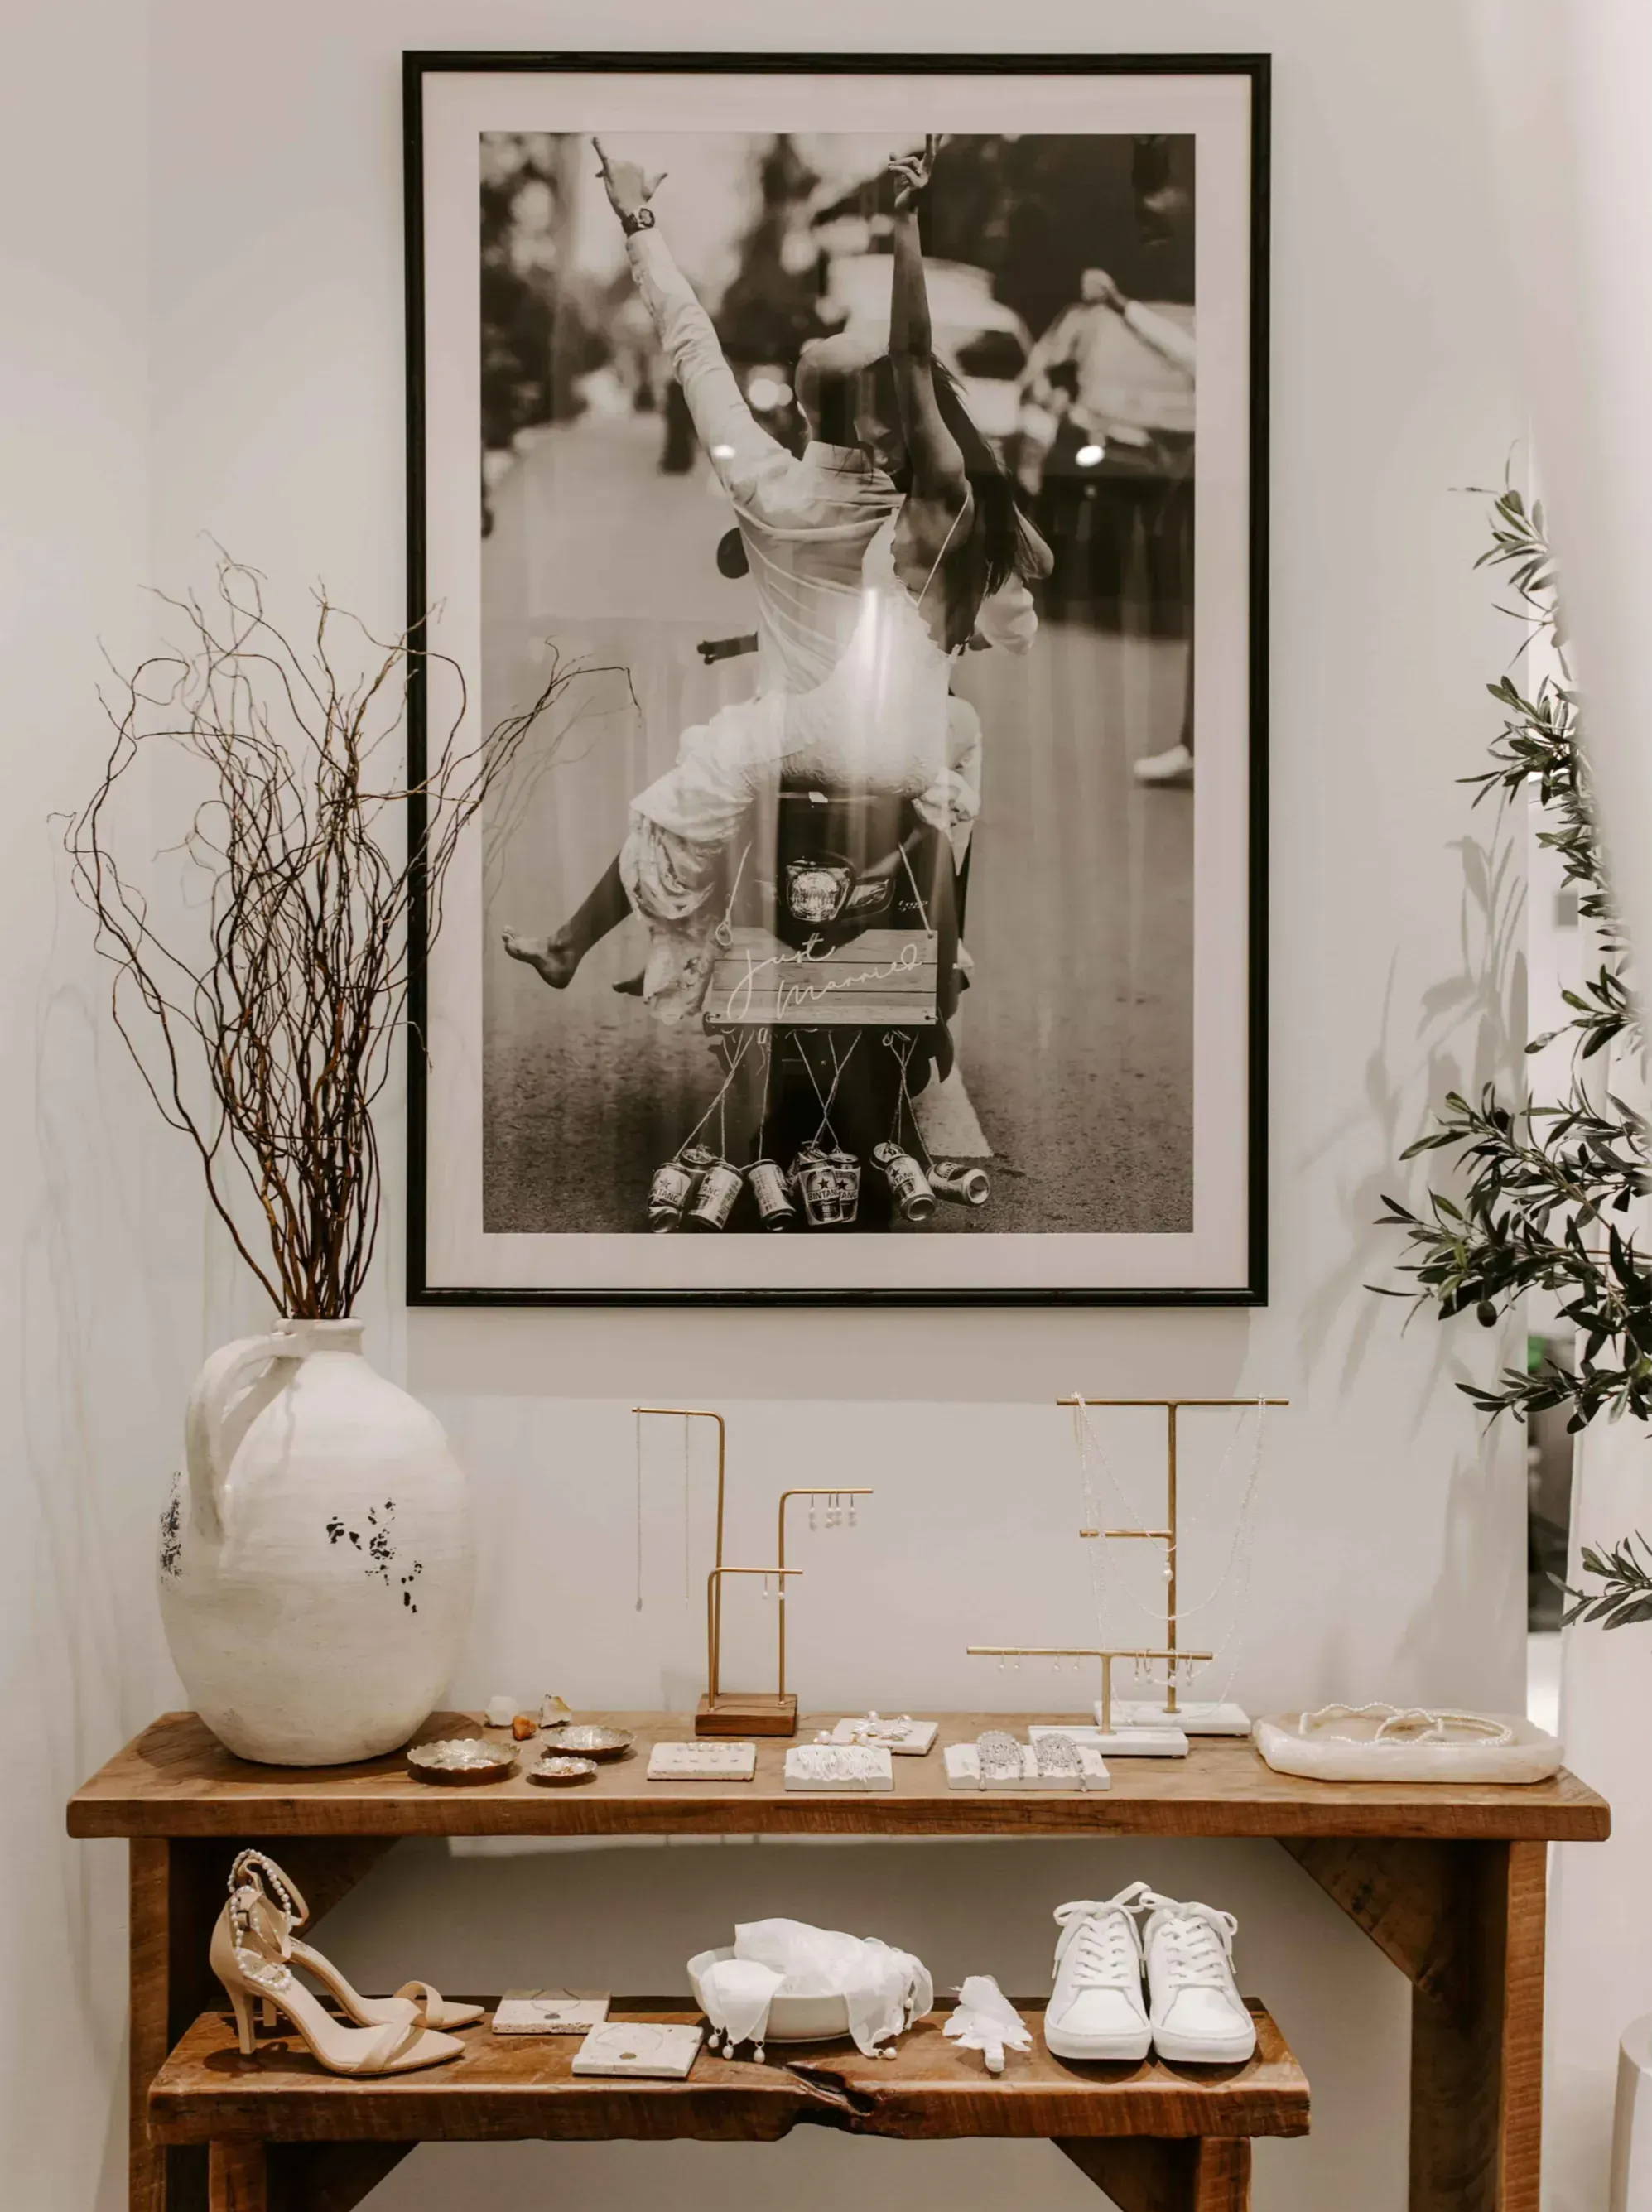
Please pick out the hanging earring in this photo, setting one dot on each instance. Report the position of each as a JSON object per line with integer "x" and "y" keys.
{"x": 814, "y": 1514}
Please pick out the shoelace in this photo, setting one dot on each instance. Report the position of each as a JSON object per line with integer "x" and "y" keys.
{"x": 1101, "y": 1938}
{"x": 1198, "y": 1942}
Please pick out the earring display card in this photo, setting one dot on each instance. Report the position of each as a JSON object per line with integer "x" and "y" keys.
{"x": 703, "y": 1761}
{"x": 547, "y": 2012}
{"x": 907, "y": 1739}
{"x": 647, "y": 2049}
{"x": 962, "y": 1762}
{"x": 829, "y": 1766}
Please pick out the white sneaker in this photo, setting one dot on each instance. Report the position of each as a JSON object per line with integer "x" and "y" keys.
{"x": 1174, "y": 767}
{"x": 1198, "y": 2015}
{"x": 1096, "y": 2010}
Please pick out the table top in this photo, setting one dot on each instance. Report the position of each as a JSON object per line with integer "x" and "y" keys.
{"x": 517, "y": 2086}
{"x": 176, "y": 1779}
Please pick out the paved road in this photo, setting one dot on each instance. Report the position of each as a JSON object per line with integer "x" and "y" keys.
{"x": 1076, "y": 1043}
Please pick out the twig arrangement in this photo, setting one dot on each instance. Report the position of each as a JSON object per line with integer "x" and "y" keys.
{"x": 261, "y": 1011}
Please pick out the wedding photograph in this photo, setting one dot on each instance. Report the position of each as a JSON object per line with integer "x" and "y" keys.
{"x": 850, "y": 487}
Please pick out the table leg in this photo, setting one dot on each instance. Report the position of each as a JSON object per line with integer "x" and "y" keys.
{"x": 1465, "y": 1923}
{"x": 1140, "y": 2175}
{"x": 238, "y": 2179}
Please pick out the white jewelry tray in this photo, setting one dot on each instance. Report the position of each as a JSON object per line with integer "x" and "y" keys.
{"x": 821, "y": 1766}
{"x": 1530, "y": 1755}
{"x": 964, "y": 1770}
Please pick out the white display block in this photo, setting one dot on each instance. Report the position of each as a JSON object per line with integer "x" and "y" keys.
{"x": 962, "y": 1762}
{"x": 1222, "y": 1717}
{"x": 646, "y": 2050}
{"x": 915, "y": 1737}
{"x": 703, "y": 1761}
{"x": 1163, "y": 1741}
{"x": 547, "y": 2012}
{"x": 829, "y": 1766}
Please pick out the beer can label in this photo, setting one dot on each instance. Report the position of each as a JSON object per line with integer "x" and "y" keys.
{"x": 719, "y": 1189}
{"x": 672, "y": 1187}
{"x": 769, "y": 1188}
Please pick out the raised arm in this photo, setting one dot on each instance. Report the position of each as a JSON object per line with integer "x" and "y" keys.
{"x": 938, "y": 469}
{"x": 736, "y": 443}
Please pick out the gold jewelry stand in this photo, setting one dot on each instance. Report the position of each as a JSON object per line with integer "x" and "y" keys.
{"x": 1169, "y": 1536}
{"x": 1104, "y": 1702}
{"x": 744, "y": 1712}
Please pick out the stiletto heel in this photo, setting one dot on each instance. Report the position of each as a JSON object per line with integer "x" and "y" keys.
{"x": 241, "y": 2005}
{"x": 267, "y": 2017}
{"x": 251, "y": 1945}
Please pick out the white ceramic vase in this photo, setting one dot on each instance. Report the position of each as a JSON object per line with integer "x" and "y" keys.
{"x": 315, "y": 1566}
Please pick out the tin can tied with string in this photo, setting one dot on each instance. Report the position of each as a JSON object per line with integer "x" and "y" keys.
{"x": 908, "y": 1184}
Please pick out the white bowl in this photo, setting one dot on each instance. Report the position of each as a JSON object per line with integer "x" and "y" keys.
{"x": 790, "y": 2020}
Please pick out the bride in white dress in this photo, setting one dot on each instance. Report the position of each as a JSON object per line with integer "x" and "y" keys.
{"x": 855, "y": 666}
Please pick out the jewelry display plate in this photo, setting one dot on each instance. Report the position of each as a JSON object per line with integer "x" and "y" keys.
{"x": 646, "y": 2050}
{"x": 1162, "y": 1741}
{"x": 547, "y": 2012}
{"x": 913, "y": 1740}
{"x": 703, "y": 1761}
{"x": 962, "y": 1762}
{"x": 831, "y": 1766}
{"x": 1223, "y": 1718}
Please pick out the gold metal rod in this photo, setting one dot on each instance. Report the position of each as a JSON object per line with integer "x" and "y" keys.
{"x": 1171, "y": 1412}
{"x": 786, "y": 1496}
{"x": 1157, "y": 1535}
{"x": 1040, "y": 1651}
{"x": 1075, "y": 1400}
{"x": 715, "y": 1617}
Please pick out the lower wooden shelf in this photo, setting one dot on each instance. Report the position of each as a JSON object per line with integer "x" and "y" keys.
{"x": 508, "y": 2088}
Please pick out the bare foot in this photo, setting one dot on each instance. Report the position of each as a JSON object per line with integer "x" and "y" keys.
{"x": 553, "y": 959}
{"x": 632, "y": 986}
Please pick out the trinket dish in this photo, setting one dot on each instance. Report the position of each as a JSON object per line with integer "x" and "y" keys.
{"x": 589, "y": 1740}
{"x": 460, "y": 1758}
{"x": 558, "y": 1771}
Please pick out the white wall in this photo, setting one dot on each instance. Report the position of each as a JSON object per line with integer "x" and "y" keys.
{"x": 1392, "y": 1558}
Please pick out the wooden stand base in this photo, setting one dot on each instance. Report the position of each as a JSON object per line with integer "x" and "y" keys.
{"x": 736, "y": 1713}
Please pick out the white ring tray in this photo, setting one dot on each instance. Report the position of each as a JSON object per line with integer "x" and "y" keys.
{"x": 1324, "y": 1755}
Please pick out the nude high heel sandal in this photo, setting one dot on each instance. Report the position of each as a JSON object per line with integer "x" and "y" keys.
{"x": 249, "y": 1955}
{"x": 284, "y": 1899}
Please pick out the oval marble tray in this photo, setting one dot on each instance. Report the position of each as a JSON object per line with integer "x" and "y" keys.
{"x": 1533, "y": 1755}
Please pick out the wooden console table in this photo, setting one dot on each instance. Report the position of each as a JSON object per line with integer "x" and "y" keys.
{"x": 1448, "y": 1881}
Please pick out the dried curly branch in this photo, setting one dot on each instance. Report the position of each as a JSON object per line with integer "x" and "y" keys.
{"x": 261, "y": 1015}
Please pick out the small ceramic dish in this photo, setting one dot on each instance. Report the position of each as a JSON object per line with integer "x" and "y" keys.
{"x": 589, "y": 1740}
{"x": 556, "y": 1772}
{"x": 460, "y": 1760}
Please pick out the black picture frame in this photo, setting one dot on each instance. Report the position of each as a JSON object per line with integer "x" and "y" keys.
{"x": 416, "y": 67}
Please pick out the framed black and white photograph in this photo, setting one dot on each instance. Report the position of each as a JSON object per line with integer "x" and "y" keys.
{"x": 861, "y": 465}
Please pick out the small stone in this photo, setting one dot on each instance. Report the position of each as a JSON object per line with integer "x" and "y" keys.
{"x": 524, "y": 1727}
{"x": 500, "y": 1710}
{"x": 554, "y": 1711}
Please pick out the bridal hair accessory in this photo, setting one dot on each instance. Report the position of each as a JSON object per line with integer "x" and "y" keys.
{"x": 984, "y": 2019}
{"x": 1403, "y": 1725}
{"x": 814, "y": 1984}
